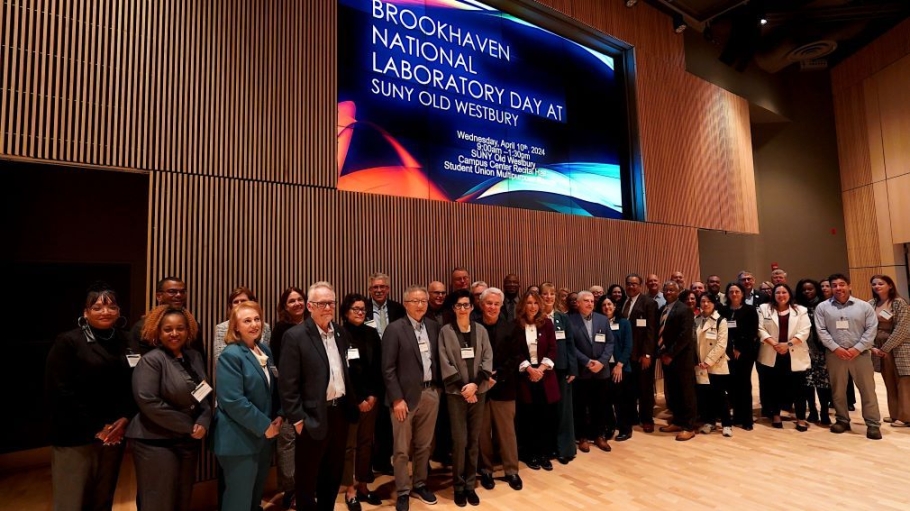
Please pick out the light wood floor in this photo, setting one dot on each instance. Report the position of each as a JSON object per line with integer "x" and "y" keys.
{"x": 761, "y": 469}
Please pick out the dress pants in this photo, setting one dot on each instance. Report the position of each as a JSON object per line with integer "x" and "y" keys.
{"x": 319, "y": 463}
{"x": 284, "y": 456}
{"x": 860, "y": 368}
{"x": 84, "y": 477}
{"x": 359, "y": 450}
{"x": 382, "y": 444}
{"x": 591, "y": 402}
{"x": 536, "y": 425}
{"x": 898, "y": 388}
{"x": 165, "y": 473}
{"x": 620, "y": 408}
{"x": 565, "y": 426}
{"x": 785, "y": 388}
{"x": 417, "y": 429}
{"x": 499, "y": 419}
{"x": 741, "y": 387}
{"x": 244, "y": 479}
{"x": 714, "y": 401}
{"x": 679, "y": 379}
{"x": 642, "y": 391}
{"x": 466, "y": 420}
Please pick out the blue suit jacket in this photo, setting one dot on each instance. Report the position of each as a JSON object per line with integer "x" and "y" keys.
{"x": 586, "y": 349}
{"x": 244, "y": 401}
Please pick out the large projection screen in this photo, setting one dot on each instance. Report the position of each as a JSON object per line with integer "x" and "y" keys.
{"x": 455, "y": 100}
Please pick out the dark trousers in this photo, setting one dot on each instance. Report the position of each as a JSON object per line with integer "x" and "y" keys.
{"x": 679, "y": 378}
{"x": 318, "y": 464}
{"x": 765, "y": 397}
{"x": 85, "y": 476}
{"x": 591, "y": 402}
{"x": 824, "y": 400}
{"x": 741, "y": 387}
{"x": 244, "y": 479}
{"x": 466, "y": 420}
{"x": 785, "y": 388}
{"x": 643, "y": 391}
{"x": 442, "y": 439}
{"x": 165, "y": 473}
{"x": 621, "y": 403}
{"x": 536, "y": 425}
{"x": 382, "y": 445}
{"x": 359, "y": 449}
{"x": 565, "y": 417}
{"x": 713, "y": 400}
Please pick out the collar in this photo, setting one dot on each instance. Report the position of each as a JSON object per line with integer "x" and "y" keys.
{"x": 834, "y": 301}
{"x": 416, "y": 325}
{"x": 378, "y": 305}
{"x": 590, "y": 317}
{"x": 325, "y": 333}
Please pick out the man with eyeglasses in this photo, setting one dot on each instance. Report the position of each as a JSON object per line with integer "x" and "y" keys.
{"x": 641, "y": 311}
{"x": 477, "y": 289}
{"x": 752, "y": 297}
{"x": 169, "y": 291}
{"x": 410, "y": 369}
{"x": 317, "y": 397}
{"x": 436, "y": 307}
{"x": 383, "y": 310}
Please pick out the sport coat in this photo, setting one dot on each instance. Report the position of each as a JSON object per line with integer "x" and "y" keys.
{"x": 566, "y": 357}
{"x": 453, "y": 368}
{"x": 304, "y": 377}
{"x": 396, "y": 310}
{"x": 588, "y": 349}
{"x": 546, "y": 349}
{"x": 245, "y": 395}
{"x": 679, "y": 333}
{"x": 798, "y": 326}
{"x": 402, "y": 363}
{"x": 644, "y": 338}
{"x": 507, "y": 355}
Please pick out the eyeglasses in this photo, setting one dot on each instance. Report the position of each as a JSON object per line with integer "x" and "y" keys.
{"x": 175, "y": 292}
{"x": 417, "y": 302}
{"x": 462, "y": 306}
{"x": 358, "y": 310}
{"x": 324, "y": 305}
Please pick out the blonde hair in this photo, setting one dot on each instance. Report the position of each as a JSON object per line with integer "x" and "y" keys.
{"x": 231, "y": 336}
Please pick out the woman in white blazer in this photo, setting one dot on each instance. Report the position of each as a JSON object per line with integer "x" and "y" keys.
{"x": 712, "y": 372}
{"x": 783, "y": 328}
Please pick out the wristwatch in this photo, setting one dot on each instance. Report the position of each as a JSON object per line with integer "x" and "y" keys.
{"x": 790, "y": 343}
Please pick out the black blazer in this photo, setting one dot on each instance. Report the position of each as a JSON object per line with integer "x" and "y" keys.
{"x": 743, "y": 338}
{"x": 402, "y": 363}
{"x": 366, "y": 371}
{"x": 396, "y": 310}
{"x": 507, "y": 355}
{"x": 679, "y": 333}
{"x": 303, "y": 376}
{"x": 644, "y": 338}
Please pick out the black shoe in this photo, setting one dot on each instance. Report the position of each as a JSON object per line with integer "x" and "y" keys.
{"x": 353, "y": 504}
{"x": 461, "y": 499}
{"x": 515, "y": 482}
{"x": 622, "y": 437}
{"x": 608, "y": 434}
{"x": 873, "y": 433}
{"x": 777, "y": 425}
{"x": 487, "y": 481}
{"x": 473, "y": 499}
{"x": 370, "y": 498}
{"x": 802, "y": 429}
{"x": 813, "y": 416}
{"x": 424, "y": 494}
{"x": 287, "y": 500}
{"x": 534, "y": 464}
{"x": 840, "y": 427}
{"x": 545, "y": 464}
{"x": 565, "y": 460}
{"x": 747, "y": 427}
{"x": 402, "y": 504}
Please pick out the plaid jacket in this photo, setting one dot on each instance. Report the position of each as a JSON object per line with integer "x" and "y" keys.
{"x": 898, "y": 343}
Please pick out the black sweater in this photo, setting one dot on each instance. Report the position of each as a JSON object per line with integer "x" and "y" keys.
{"x": 366, "y": 371}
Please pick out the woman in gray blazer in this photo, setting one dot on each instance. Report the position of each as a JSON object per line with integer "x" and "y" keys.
{"x": 465, "y": 363}
{"x": 174, "y": 411}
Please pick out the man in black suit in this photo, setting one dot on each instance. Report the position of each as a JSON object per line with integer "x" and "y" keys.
{"x": 410, "y": 369}
{"x": 752, "y": 296}
{"x": 383, "y": 310}
{"x": 676, "y": 340}
{"x": 641, "y": 311}
{"x": 318, "y": 399}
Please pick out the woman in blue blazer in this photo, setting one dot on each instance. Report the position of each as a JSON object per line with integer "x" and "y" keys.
{"x": 245, "y": 379}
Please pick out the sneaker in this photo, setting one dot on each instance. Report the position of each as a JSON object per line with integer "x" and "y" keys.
{"x": 473, "y": 499}
{"x": 873, "y": 433}
{"x": 424, "y": 494}
{"x": 706, "y": 429}
{"x": 402, "y": 504}
{"x": 728, "y": 431}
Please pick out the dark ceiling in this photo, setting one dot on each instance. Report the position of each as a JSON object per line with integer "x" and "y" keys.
{"x": 810, "y": 34}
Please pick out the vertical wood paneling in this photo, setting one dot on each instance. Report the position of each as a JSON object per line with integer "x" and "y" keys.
{"x": 859, "y": 220}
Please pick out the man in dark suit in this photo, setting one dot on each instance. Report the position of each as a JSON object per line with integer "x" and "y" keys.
{"x": 318, "y": 399}
{"x": 383, "y": 310}
{"x": 752, "y": 296}
{"x": 641, "y": 311}
{"x": 410, "y": 368}
{"x": 676, "y": 340}
{"x": 594, "y": 348}
{"x": 169, "y": 291}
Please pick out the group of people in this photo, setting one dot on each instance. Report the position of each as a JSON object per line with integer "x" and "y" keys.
{"x": 472, "y": 376}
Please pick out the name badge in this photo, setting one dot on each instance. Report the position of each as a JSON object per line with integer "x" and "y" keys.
{"x": 711, "y": 334}
{"x": 731, "y": 324}
{"x": 600, "y": 338}
{"x": 202, "y": 390}
{"x": 467, "y": 353}
{"x": 614, "y": 326}
{"x": 641, "y": 322}
{"x": 353, "y": 354}
{"x": 842, "y": 324}
{"x": 885, "y": 314}
{"x": 560, "y": 335}
{"x": 132, "y": 359}
{"x": 371, "y": 323}
{"x": 424, "y": 347}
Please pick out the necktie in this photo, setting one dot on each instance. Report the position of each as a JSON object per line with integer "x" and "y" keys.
{"x": 381, "y": 319}
{"x": 663, "y": 319}
{"x": 626, "y": 308}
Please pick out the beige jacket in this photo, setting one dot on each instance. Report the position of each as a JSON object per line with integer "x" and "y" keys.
{"x": 799, "y": 326}
{"x": 712, "y": 342}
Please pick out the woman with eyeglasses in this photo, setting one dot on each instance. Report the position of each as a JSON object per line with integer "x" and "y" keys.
{"x": 465, "y": 365}
{"x": 365, "y": 368}
{"x": 87, "y": 383}
{"x": 891, "y": 351}
{"x": 175, "y": 411}
{"x": 783, "y": 329}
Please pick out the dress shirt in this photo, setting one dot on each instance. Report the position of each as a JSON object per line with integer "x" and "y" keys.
{"x": 420, "y": 330}
{"x": 659, "y": 298}
{"x": 531, "y": 339}
{"x": 589, "y": 325}
{"x": 862, "y": 324}
{"x": 381, "y": 315}
{"x": 630, "y": 303}
{"x": 336, "y": 369}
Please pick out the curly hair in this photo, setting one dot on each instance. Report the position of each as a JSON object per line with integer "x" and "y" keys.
{"x": 156, "y": 316}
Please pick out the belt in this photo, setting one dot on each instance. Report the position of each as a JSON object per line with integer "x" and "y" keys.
{"x": 427, "y": 384}
{"x": 334, "y": 402}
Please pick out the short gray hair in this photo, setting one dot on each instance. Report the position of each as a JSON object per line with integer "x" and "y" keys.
{"x": 492, "y": 291}
{"x": 584, "y": 293}
{"x": 671, "y": 283}
{"x": 318, "y": 285}
{"x": 413, "y": 289}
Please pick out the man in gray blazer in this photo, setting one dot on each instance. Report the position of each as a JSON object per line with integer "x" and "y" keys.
{"x": 410, "y": 368}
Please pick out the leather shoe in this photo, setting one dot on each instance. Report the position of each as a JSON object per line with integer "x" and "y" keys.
{"x": 402, "y": 504}
{"x": 545, "y": 464}
{"x": 671, "y": 428}
{"x": 873, "y": 433}
{"x": 564, "y": 460}
{"x": 840, "y": 427}
{"x": 622, "y": 437}
{"x": 515, "y": 482}
{"x": 647, "y": 428}
{"x": 473, "y": 499}
{"x": 486, "y": 480}
{"x": 370, "y": 498}
{"x": 353, "y": 504}
{"x": 461, "y": 499}
{"x": 601, "y": 443}
{"x": 685, "y": 435}
{"x": 534, "y": 464}
{"x": 608, "y": 434}
{"x": 584, "y": 446}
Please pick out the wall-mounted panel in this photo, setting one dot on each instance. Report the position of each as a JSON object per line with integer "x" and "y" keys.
{"x": 852, "y": 137}
{"x": 898, "y": 190}
{"x": 859, "y": 223}
{"x": 893, "y": 84}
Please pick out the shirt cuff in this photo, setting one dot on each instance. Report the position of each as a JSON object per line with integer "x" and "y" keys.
{"x": 524, "y": 365}
{"x": 547, "y": 362}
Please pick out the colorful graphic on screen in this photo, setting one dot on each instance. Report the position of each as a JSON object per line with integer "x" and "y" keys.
{"x": 454, "y": 100}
